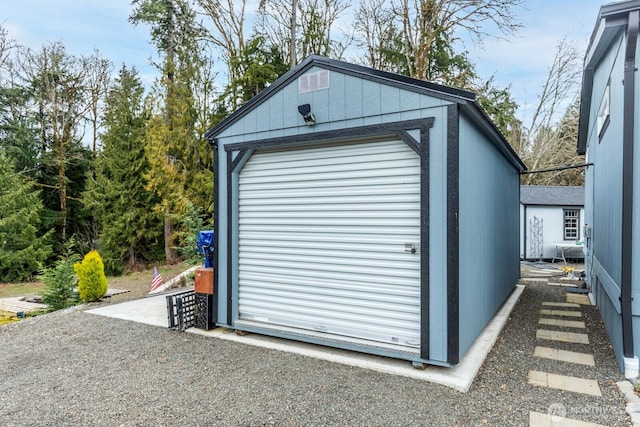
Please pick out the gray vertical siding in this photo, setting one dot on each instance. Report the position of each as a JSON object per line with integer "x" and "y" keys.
{"x": 636, "y": 209}
{"x": 349, "y": 102}
{"x": 603, "y": 198}
{"x": 489, "y": 222}
{"x": 607, "y": 185}
{"x": 612, "y": 320}
{"x": 438, "y": 238}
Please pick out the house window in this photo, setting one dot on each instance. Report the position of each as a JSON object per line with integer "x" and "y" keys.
{"x": 571, "y": 224}
{"x": 603, "y": 113}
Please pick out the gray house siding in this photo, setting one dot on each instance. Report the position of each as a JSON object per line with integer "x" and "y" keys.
{"x": 612, "y": 259}
{"x": 605, "y": 151}
{"x": 362, "y": 107}
{"x": 488, "y": 246}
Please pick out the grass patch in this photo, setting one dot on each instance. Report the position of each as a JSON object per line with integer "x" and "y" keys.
{"x": 8, "y": 290}
{"x": 138, "y": 283}
{"x": 143, "y": 278}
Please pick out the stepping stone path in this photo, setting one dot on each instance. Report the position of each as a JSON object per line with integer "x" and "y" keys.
{"x": 15, "y": 305}
{"x": 567, "y": 316}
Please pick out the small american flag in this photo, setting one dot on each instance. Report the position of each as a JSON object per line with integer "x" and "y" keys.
{"x": 157, "y": 279}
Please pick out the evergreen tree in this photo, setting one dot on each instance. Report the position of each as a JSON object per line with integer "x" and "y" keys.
{"x": 58, "y": 86}
{"x": 179, "y": 157}
{"x": 60, "y": 281}
{"x": 22, "y": 249}
{"x": 78, "y": 163}
{"x": 131, "y": 232}
{"x": 258, "y": 65}
{"x": 18, "y": 136}
{"x": 499, "y": 105}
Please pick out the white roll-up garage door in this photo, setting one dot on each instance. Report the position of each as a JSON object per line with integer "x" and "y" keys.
{"x": 323, "y": 236}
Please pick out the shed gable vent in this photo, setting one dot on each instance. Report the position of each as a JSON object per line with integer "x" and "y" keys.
{"x": 313, "y": 81}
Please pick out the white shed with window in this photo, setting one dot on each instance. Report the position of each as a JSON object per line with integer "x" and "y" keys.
{"x": 551, "y": 221}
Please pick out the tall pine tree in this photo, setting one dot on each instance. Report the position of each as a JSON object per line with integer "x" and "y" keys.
{"x": 22, "y": 250}
{"x": 179, "y": 156}
{"x": 131, "y": 231}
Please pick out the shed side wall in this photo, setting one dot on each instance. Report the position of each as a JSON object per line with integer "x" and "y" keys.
{"x": 489, "y": 221}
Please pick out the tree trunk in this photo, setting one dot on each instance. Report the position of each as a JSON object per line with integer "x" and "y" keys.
{"x": 292, "y": 43}
{"x": 170, "y": 254}
{"x": 132, "y": 257}
{"x": 62, "y": 191}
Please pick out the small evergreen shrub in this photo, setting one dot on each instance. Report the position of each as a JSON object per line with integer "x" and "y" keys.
{"x": 60, "y": 282}
{"x": 92, "y": 282}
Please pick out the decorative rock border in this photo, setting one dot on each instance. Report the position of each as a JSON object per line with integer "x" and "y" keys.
{"x": 633, "y": 401}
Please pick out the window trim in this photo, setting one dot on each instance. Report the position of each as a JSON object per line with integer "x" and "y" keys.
{"x": 603, "y": 117}
{"x": 565, "y": 228}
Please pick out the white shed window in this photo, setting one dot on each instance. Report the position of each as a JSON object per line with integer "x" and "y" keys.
{"x": 313, "y": 81}
{"x": 571, "y": 224}
{"x": 603, "y": 113}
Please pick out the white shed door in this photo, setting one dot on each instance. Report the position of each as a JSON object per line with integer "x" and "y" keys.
{"x": 322, "y": 241}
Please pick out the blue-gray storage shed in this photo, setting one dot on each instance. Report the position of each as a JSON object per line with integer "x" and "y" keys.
{"x": 364, "y": 210}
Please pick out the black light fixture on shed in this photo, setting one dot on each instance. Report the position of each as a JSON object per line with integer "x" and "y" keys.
{"x": 307, "y": 115}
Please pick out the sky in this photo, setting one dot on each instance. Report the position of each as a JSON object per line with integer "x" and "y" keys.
{"x": 522, "y": 62}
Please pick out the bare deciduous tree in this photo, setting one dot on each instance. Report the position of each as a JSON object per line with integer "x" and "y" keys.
{"x": 59, "y": 82}
{"x": 303, "y": 27}
{"x": 374, "y": 24}
{"x": 277, "y": 22}
{"x": 425, "y": 21}
{"x": 563, "y": 79}
{"x": 317, "y": 20}
{"x": 224, "y": 28}
{"x": 550, "y": 141}
{"x": 6, "y": 46}
{"x": 99, "y": 74}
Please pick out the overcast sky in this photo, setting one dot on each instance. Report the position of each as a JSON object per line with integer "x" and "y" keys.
{"x": 83, "y": 25}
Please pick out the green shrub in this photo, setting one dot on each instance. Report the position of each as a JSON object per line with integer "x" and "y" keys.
{"x": 92, "y": 282}
{"x": 190, "y": 224}
{"x": 60, "y": 282}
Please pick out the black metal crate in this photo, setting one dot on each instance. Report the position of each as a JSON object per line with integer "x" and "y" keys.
{"x": 205, "y": 311}
{"x": 181, "y": 308}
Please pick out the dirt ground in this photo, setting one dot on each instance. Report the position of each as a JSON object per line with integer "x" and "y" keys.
{"x": 536, "y": 269}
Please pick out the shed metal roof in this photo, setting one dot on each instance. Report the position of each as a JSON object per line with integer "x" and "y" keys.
{"x": 549, "y": 195}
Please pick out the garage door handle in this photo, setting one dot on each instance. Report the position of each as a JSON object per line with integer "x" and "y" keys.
{"x": 411, "y": 248}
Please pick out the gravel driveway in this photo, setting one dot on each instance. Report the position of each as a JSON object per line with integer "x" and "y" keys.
{"x": 74, "y": 368}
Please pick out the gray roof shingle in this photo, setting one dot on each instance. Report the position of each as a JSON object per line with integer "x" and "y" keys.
{"x": 551, "y": 195}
